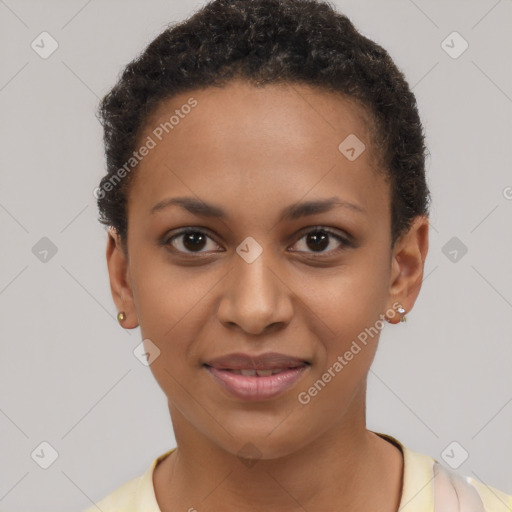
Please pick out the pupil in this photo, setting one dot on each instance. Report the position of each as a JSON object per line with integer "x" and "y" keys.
{"x": 194, "y": 240}
{"x": 319, "y": 239}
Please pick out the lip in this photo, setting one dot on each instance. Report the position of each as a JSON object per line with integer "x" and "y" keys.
{"x": 226, "y": 371}
{"x": 266, "y": 361}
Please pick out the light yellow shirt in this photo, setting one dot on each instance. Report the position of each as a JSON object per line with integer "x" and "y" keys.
{"x": 138, "y": 494}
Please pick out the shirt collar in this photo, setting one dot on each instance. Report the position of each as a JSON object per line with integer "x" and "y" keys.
{"x": 417, "y": 484}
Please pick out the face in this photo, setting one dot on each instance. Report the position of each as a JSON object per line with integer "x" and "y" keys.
{"x": 279, "y": 244}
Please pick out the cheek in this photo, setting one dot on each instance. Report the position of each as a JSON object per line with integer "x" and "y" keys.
{"x": 167, "y": 297}
{"x": 167, "y": 311}
{"x": 348, "y": 308}
{"x": 347, "y": 301}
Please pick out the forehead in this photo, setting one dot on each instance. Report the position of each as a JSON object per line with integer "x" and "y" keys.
{"x": 298, "y": 113}
{"x": 278, "y": 140}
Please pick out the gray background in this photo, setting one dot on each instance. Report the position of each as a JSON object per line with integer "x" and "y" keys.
{"x": 67, "y": 372}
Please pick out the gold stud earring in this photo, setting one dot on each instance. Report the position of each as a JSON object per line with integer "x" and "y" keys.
{"x": 401, "y": 310}
{"x": 121, "y": 316}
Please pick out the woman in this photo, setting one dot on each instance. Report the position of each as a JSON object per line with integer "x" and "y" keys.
{"x": 268, "y": 214}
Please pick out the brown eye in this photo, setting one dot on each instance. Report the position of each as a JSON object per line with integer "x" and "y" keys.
{"x": 320, "y": 239}
{"x": 190, "y": 241}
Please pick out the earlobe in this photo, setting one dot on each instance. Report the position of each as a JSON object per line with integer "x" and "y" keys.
{"x": 408, "y": 261}
{"x": 118, "y": 270}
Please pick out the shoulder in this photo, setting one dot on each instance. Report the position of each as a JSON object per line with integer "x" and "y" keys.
{"x": 123, "y": 499}
{"x": 134, "y": 495}
{"x": 428, "y": 485}
{"x": 493, "y": 499}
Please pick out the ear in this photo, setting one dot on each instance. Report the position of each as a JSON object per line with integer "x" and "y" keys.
{"x": 407, "y": 263}
{"x": 119, "y": 275}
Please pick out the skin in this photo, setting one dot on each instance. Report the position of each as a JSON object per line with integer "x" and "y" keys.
{"x": 254, "y": 151}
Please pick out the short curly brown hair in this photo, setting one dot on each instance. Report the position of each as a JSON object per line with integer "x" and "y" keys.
{"x": 264, "y": 42}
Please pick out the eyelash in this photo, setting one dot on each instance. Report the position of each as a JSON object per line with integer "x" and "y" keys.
{"x": 166, "y": 241}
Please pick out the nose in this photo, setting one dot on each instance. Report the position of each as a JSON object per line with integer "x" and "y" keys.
{"x": 256, "y": 296}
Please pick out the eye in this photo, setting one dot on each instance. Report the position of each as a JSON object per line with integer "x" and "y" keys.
{"x": 190, "y": 241}
{"x": 194, "y": 240}
{"x": 320, "y": 238}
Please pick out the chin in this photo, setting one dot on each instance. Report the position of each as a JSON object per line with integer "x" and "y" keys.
{"x": 254, "y": 444}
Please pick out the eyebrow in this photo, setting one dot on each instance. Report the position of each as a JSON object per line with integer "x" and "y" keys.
{"x": 292, "y": 212}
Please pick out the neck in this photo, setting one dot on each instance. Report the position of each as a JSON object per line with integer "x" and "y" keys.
{"x": 333, "y": 472}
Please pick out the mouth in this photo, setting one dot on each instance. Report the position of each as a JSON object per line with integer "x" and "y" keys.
{"x": 251, "y": 372}
{"x": 269, "y": 361}
{"x": 257, "y": 377}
